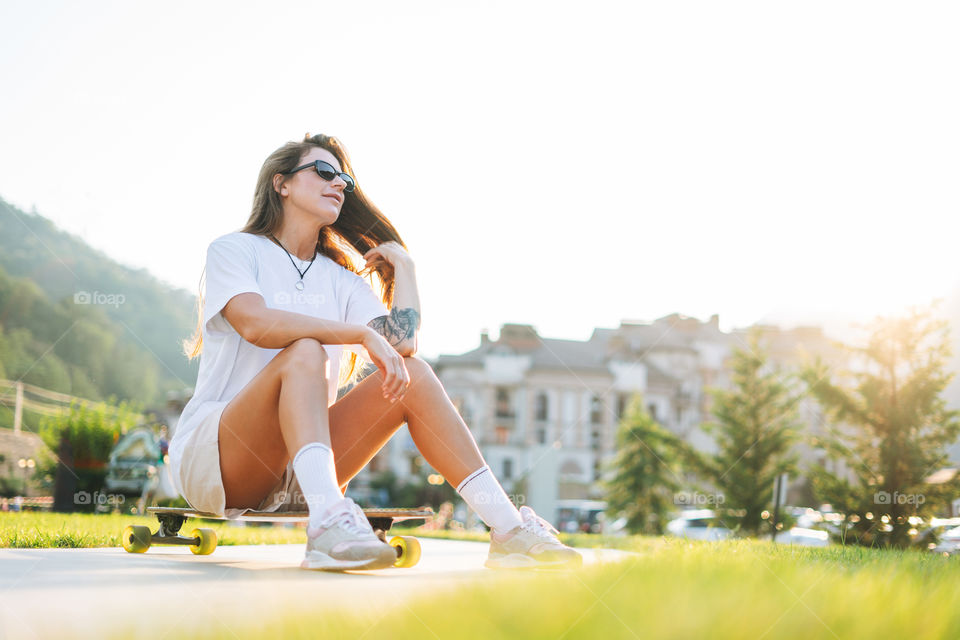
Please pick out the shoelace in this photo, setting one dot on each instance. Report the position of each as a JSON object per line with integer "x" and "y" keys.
{"x": 540, "y": 527}
{"x": 360, "y": 518}
{"x": 350, "y": 518}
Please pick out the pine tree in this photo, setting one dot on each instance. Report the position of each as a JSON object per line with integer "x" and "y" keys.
{"x": 891, "y": 425}
{"x": 645, "y": 474}
{"x": 755, "y": 427}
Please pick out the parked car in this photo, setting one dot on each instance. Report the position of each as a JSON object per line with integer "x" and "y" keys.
{"x": 704, "y": 524}
{"x": 806, "y": 517}
{"x": 138, "y": 466}
{"x": 699, "y": 524}
{"x": 947, "y": 541}
{"x": 803, "y": 537}
{"x": 132, "y": 462}
{"x": 929, "y": 535}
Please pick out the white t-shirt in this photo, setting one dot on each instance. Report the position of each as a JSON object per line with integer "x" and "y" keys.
{"x": 242, "y": 262}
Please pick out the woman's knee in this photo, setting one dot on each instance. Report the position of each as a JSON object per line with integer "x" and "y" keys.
{"x": 419, "y": 370}
{"x": 306, "y": 354}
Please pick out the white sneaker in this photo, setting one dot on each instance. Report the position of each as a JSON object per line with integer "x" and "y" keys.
{"x": 533, "y": 544}
{"x": 345, "y": 540}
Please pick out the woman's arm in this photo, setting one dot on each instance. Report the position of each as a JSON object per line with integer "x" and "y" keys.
{"x": 275, "y": 329}
{"x": 401, "y": 326}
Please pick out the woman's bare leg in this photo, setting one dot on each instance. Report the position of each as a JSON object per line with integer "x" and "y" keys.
{"x": 362, "y": 421}
{"x": 283, "y": 408}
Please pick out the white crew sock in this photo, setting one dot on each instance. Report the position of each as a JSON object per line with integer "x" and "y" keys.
{"x": 481, "y": 491}
{"x": 317, "y": 475}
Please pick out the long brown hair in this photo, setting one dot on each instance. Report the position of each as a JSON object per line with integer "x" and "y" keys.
{"x": 360, "y": 227}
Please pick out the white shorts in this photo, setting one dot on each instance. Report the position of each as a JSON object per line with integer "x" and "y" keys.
{"x": 203, "y": 485}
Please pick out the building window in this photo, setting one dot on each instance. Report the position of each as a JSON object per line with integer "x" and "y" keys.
{"x": 652, "y": 410}
{"x": 502, "y": 435}
{"x": 595, "y": 439}
{"x": 542, "y": 407}
{"x": 621, "y": 405}
{"x": 596, "y": 410}
{"x": 507, "y": 468}
{"x": 541, "y": 436}
{"x": 504, "y": 408}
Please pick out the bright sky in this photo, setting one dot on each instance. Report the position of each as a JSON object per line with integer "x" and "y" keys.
{"x": 567, "y": 165}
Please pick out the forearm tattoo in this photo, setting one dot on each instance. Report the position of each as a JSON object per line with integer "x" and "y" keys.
{"x": 400, "y": 325}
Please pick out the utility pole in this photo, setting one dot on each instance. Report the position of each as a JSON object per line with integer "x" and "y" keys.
{"x": 18, "y": 409}
{"x": 779, "y": 497}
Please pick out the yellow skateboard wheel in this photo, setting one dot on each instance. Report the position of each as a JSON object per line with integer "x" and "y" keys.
{"x": 208, "y": 541}
{"x": 408, "y": 550}
{"x": 136, "y": 538}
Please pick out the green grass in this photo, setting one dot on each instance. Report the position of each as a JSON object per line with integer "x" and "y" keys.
{"x": 35, "y": 529}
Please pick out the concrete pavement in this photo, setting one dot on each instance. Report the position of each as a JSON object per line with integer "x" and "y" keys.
{"x": 88, "y": 592}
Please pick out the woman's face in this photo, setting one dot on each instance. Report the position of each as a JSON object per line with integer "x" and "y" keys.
{"x": 307, "y": 191}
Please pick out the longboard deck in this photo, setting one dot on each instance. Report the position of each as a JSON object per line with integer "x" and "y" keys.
{"x": 396, "y": 515}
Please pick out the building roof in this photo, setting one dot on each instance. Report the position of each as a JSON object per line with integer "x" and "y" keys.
{"x": 628, "y": 341}
{"x": 544, "y": 353}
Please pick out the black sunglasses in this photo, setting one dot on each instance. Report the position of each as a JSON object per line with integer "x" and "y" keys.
{"x": 326, "y": 171}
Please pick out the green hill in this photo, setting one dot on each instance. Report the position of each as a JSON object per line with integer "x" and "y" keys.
{"x": 74, "y": 320}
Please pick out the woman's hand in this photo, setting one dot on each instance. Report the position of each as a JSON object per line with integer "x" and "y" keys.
{"x": 396, "y": 378}
{"x": 390, "y": 252}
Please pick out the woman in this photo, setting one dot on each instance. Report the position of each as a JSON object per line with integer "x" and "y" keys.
{"x": 264, "y": 429}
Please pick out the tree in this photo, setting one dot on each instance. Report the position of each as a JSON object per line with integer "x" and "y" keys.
{"x": 646, "y": 473}
{"x": 892, "y": 428}
{"x": 755, "y": 427}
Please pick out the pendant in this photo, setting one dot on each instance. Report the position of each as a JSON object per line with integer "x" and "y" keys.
{"x": 299, "y": 285}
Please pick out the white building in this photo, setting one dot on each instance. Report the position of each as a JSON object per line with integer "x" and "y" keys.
{"x": 545, "y": 411}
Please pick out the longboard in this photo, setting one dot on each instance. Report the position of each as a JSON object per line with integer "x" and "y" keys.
{"x": 203, "y": 541}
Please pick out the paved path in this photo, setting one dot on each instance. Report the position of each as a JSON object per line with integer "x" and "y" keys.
{"x": 86, "y": 592}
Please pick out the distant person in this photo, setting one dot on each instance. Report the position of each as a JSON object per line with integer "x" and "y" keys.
{"x": 264, "y": 429}
{"x": 443, "y": 521}
{"x": 164, "y": 443}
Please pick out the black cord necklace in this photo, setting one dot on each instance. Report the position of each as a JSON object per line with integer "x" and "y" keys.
{"x": 299, "y": 284}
